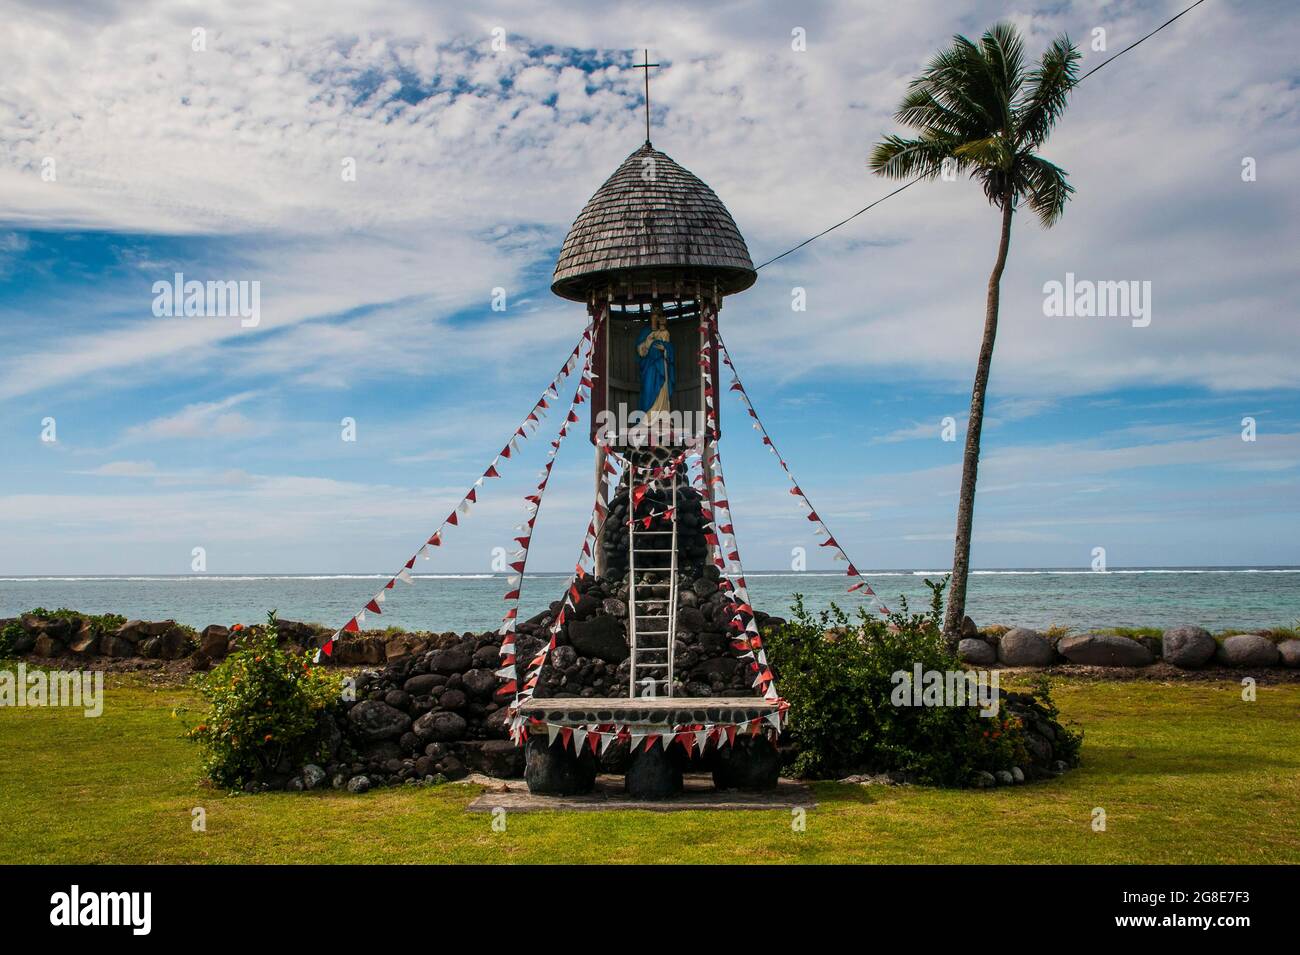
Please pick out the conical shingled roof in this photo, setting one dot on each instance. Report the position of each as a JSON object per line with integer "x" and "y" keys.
{"x": 652, "y": 219}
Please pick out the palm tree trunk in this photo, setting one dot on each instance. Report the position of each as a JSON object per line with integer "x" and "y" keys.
{"x": 971, "y": 459}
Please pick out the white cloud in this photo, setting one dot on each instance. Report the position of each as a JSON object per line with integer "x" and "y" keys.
{"x": 201, "y": 420}
{"x": 472, "y": 164}
{"x": 132, "y": 469}
{"x": 248, "y": 137}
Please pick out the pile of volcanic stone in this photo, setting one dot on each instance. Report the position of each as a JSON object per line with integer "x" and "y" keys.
{"x": 692, "y": 549}
{"x": 51, "y": 635}
{"x": 427, "y": 718}
{"x": 438, "y": 714}
{"x": 1042, "y": 735}
{"x": 591, "y": 656}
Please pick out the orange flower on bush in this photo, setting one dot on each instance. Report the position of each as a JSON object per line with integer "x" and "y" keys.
{"x": 236, "y": 628}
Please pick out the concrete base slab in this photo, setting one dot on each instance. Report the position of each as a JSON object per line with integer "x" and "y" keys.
{"x": 512, "y": 795}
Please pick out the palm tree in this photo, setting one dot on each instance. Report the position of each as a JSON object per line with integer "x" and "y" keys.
{"x": 977, "y": 110}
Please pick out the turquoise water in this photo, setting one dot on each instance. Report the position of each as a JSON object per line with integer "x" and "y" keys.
{"x": 1215, "y": 598}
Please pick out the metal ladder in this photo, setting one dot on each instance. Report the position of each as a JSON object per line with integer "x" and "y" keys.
{"x": 652, "y": 618}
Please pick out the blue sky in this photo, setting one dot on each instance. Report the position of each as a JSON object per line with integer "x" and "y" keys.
{"x": 224, "y": 163}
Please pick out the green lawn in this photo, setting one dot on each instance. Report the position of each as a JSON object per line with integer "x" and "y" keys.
{"x": 1186, "y": 772}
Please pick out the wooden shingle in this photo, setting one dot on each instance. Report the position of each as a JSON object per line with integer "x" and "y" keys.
{"x": 652, "y": 216}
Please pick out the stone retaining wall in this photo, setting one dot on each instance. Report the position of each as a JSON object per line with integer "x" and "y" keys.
{"x": 1186, "y": 647}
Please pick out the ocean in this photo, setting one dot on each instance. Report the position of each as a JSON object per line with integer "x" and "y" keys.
{"x": 1212, "y": 597}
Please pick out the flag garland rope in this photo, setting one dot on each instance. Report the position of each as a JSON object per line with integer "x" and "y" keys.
{"x": 510, "y": 664}
{"x": 533, "y": 505}
{"x": 598, "y": 737}
{"x": 523, "y": 691}
{"x": 796, "y": 490}
{"x": 747, "y": 640}
{"x": 525, "y": 428}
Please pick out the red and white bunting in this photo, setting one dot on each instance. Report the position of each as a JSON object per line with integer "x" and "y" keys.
{"x": 746, "y": 639}
{"x": 471, "y": 496}
{"x": 533, "y": 502}
{"x": 692, "y": 737}
{"x": 524, "y": 688}
{"x": 859, "y": 582}
{"x": 510, "y": 669}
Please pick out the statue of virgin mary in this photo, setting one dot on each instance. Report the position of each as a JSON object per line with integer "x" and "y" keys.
{"x": 658, "y": 365}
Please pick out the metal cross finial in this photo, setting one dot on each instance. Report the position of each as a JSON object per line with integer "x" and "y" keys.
{"x": 645, "y": 65}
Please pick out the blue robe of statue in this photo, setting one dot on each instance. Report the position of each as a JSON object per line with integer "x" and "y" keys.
{"x": 658, "y": 372}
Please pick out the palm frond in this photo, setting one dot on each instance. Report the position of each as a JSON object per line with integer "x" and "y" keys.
{"x": 921, "y": 110}
{"x": 1047, "y": 88}
{"x": 959, "y": 79}
{"x": 1045, "y": 187}
{"x": 987, "y": 153}
{"x": 1003, "y": 53}
{"x": 898, "y": 158}
{"x": 975, "y": 105}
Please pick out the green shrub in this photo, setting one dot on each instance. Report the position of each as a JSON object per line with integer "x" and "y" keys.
{"x": 265, "y": 707}
{"x": 9, "y": 637}
{"x": 1068, "y": 744}
{"x": 101, "y": 622}
{"x": 837, "y": 676}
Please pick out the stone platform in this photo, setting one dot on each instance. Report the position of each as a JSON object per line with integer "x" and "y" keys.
{"x": 657, "y": 713}
{"x": 608, "y": 793}
{"x": 657, "y": 771}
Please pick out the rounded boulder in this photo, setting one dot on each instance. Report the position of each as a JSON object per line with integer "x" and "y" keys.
{"x": 376, "y": 720}
{"x": 480, "y": 682}
{"x": 976, "y": 651}
{"x": 1023, "y": 647}
{"x": 1248, "y": 650}
{"x": 1188, "y": 647}
{"x": 440, "y": 727}
{"x": 451, "y": 660}
{"x": 1104, "y": 650}
{"x": 1289, "y": 651}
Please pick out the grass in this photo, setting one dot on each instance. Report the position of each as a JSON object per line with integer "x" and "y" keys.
{"x": 1186, "y": 773}
{"x": 1276, "y": 634}
{"x": 1133, "y": 633}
